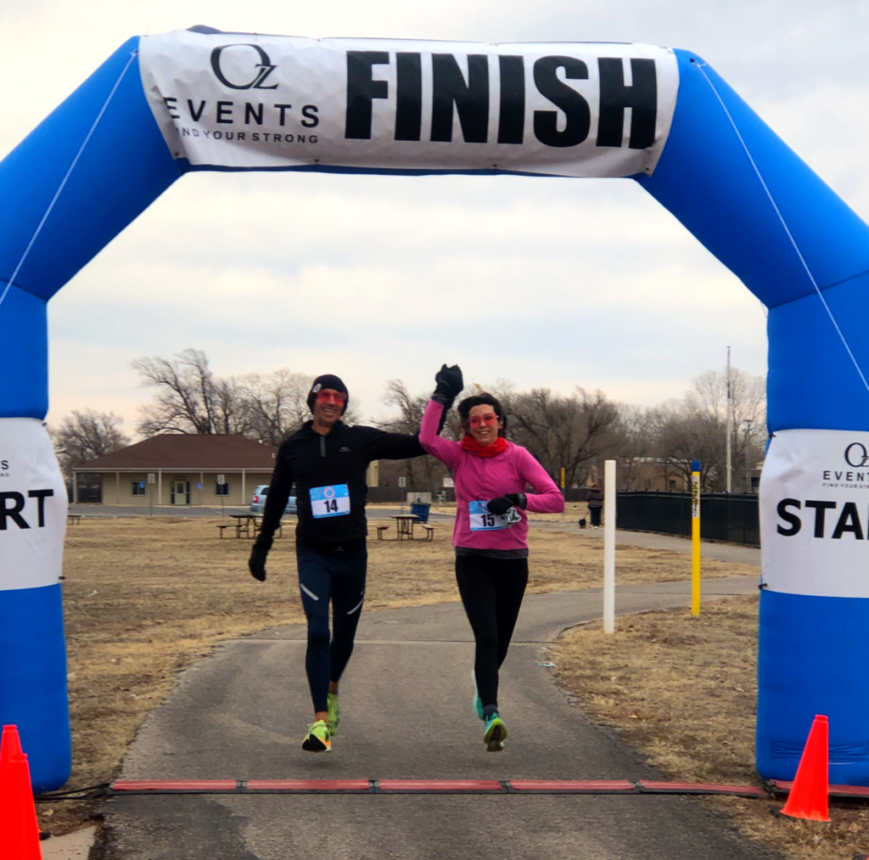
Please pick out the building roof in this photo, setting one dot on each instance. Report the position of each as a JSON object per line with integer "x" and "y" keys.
{"x": 187, "y": 452}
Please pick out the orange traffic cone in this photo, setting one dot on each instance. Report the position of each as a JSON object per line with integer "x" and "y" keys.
{"x": 809, "y": 795}
{"x": 10, "y": 744}
{"x": 19, "y": 832}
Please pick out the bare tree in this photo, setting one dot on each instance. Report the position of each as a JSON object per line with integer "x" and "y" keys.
{"x": 421, "y": 472}
{"x": 276, "y": 403}
{"x": 189, "y": 399}
{"x": 230, "y": 410}
{"x": 708, "y": 396}
{"x": 572, "y": 432}
{"x": 695, "y": 428}
{"x": 685, "y": 436}
{"x": 410, "y": 408}
{"x": 85, "y": 436}
{"x": 633, "y": 440}
{"x": 185, "y": 393}
{"x": 749, "y": 422}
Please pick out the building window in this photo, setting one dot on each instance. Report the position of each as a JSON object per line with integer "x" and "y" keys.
{"x": 138, "y": 488}
{"x": 222, "y": 489}
{"x": 672, "y": 484}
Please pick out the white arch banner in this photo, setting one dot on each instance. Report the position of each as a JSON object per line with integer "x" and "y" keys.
{"x": 814, "y": 513}
{"x": 33, "y": 506}
{"x": 566, "y": 109}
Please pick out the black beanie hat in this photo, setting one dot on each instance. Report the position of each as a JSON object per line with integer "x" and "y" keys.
{"x": 327, "y": 380}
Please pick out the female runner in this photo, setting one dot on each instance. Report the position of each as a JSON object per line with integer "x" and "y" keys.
{"x": 490, "y": 535}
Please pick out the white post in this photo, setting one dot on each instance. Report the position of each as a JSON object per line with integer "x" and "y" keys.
{"x": 609, "y": 551}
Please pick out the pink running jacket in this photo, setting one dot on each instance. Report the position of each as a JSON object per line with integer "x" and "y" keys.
{"x": 483, "y": 479}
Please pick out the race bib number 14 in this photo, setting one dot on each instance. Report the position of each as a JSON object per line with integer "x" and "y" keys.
{"x": 483, "y": 521}
{"x": 330, "y": 501}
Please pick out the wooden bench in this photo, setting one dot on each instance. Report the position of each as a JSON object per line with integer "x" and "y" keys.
{"x": 73, "y": 519}
{"x": 380, "y": 531}
{"x": 221, "y": 528}
{"x": 429, "y": 532}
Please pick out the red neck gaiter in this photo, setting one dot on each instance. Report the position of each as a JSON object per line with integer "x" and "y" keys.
{"x": 470, "y": 444}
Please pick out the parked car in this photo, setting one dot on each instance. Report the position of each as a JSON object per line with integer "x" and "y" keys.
{"x": 258, "y": 500}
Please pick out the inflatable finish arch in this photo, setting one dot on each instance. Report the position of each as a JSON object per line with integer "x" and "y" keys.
{"x": 190, "y": 100}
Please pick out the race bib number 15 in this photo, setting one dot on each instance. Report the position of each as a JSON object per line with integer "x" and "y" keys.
{"x": 483, "y": 521}
{"x": 330, "y": 501}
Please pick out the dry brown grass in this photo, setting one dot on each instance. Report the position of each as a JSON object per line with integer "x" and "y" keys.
{"x": 682, "y": 690}
{"x": 144, "y": 597}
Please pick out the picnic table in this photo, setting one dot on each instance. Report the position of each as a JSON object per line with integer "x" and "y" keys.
{"x": 247, "y": 525}
{"x": 404, "y": 525}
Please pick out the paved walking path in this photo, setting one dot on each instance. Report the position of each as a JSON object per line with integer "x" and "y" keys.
{"x": 241, "y": 713}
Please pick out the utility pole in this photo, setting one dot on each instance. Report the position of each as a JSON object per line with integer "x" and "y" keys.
{"x": 747, "y": 479}
{"x": 729, "y": 428}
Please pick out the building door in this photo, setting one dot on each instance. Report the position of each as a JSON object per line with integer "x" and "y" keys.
{"x": 180, "y": 492}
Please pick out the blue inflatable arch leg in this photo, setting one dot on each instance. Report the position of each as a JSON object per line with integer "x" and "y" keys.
{"x": 813, "y": 649}
{"x": 121, "y": 170}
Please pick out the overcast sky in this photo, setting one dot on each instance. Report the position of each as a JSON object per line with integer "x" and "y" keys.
{"x": 548, "y": 282}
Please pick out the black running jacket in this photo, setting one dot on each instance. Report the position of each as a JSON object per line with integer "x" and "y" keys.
{"x": 310, "y": 460}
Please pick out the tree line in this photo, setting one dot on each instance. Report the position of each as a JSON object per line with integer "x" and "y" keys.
{"x": 575, "y": 432}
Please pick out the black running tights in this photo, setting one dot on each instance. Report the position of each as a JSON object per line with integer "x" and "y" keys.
{"x": 492, "y": 591}
{"x": 338, "y": 578}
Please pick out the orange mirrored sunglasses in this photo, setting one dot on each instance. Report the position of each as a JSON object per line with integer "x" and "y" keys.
{"x": 489, "y": 418}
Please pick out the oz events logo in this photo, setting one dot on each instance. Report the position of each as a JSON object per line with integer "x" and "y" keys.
{"x": 857, "y": 456}
{"x": 259, "y": 71}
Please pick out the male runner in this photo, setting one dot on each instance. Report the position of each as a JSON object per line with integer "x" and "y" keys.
{"x": 327, "y": 460}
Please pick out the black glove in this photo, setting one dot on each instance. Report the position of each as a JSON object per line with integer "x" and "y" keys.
{"x": 503, "y": 503}
{"x": 258, "y": 555}
{"x": 449, "y": 385}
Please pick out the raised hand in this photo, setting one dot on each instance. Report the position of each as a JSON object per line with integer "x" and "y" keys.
{"x": 449, "y": 385}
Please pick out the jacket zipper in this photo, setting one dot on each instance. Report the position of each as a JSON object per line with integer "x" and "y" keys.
{"x": 322, "y": 446}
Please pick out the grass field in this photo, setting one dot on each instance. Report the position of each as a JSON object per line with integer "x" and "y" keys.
{"x": 144, "y": 597}
{"x": 682, "y": 691}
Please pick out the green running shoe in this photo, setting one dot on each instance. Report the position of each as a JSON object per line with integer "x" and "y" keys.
{"x": 478, "y": 702}
{"x": 495, "y": 733}
{"x": 318, "y": 739}
{"x": 334, "y": 713}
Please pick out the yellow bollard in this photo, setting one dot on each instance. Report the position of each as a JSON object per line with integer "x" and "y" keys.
{"x": 695, "y": 537}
